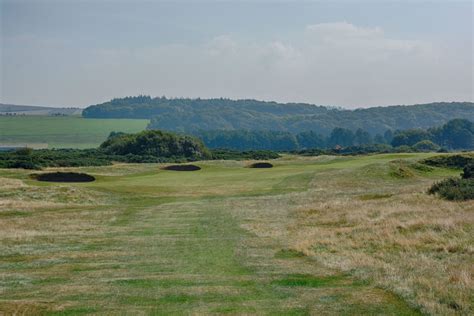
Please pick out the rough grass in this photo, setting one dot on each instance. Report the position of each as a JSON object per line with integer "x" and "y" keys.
{"x": 317, "y": 235}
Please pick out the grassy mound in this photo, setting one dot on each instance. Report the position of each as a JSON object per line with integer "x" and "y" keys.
{"x": 182, "y": 168}
{"x": 261, "y": 165}
{"x": 63, "y": 177}
{"x": 400, "y": 169}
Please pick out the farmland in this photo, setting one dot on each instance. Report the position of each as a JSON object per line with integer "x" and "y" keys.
{"x": 313, "y": 235}
{"x": 63, "y": 131}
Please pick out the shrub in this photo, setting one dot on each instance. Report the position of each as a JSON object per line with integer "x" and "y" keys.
{"x": 226, "y": 154}
{"x": 24, "y": 151}
{"x": 363, "y": 149}
{"x": 468, "y": 171}
{"x": 351, "y": 150}
{"x": 23, "y": 164}
{"x": 426, "y": 146}
{"x": 454, "y": 189}
{"x": 404, "y": 149}
{"x": 38, "y": 159}
{"x": 451, "y": 161}
{"x": 156, "y": 143}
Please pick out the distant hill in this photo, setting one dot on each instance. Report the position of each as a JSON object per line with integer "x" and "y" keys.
{"x": 13, "y": 109}
{"x": 192, "y": 115}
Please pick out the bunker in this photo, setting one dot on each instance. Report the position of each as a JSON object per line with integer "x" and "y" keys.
{"x": 182, "y": 168}
{"x": 261, "y": 165}
{"x": 63, "y": 177}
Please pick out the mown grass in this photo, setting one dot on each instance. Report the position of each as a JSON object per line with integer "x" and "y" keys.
{"x": 63, "y": 132}
{"x": 309, "y": 280}
{"x": 294, "y": 239}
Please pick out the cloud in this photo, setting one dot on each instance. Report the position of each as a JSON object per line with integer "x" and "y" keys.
{"x": 222, "y": 45}
{"x": 343, "y": 30}
{"x": 328, "y": 63}
{"x": 367, "y": 44}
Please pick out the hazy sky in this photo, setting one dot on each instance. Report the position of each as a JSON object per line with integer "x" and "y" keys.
{"x": 345, "y": 53}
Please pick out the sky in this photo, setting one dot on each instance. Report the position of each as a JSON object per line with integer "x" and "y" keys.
{"x": 339, "y": 53}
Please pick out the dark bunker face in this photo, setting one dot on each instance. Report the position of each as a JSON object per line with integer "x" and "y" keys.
{"x": 261, "y": 165}
{"x": 63, "y": 177}
{"x": 182, "y": 168}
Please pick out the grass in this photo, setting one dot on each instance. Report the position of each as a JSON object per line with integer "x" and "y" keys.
{"x": 309, "y": 280}
{"x": 63, "y": 132}
{"x": 313, "y": 235}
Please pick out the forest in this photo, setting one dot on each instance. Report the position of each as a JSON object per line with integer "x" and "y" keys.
{"x": 192, "y": 115}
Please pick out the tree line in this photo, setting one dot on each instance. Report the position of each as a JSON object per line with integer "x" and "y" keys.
{"x": 455, "y": 135}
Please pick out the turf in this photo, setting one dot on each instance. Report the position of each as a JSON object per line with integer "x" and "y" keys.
{"x": 65, "y": 131}
{"x": 148, "y": 241}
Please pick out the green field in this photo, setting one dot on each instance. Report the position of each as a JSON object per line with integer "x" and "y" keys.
{"x": 311, "y": 236}
{"x": 63, "y": 132}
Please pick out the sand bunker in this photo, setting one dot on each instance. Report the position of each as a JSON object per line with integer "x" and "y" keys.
{"x": 261, "y": 165}
{"x": 182, "y": 168}
{"x": 63, "y": 177}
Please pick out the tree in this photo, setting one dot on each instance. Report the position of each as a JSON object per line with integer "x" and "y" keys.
{"x": 388, "y": 135}
{"x": 362, "y": 137}
{"x": 410, "y": 137}
{"x": 342, "y": 137}
{"x": 426, "y": 145}
{"x": 249, "y": 140}
{"x": 311, "y": 139}
{"x": 379, "y": 139}
{"x": 455, "y": 134}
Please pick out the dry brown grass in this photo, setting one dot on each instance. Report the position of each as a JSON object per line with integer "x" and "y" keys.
{"x": 415, "y": 245}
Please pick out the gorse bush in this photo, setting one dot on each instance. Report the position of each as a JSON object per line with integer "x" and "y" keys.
{"x": 468, "y": 171}
{"x": 346, "y": 151}
{"x": 225, "y": 154}
{"x": 454, "y": 189}
{"x": 37, "y": 159}
{"x": 78, "y": 158}
{"x": 450, "y": 161}
{"x": 144, "y": 147}
{"x": 156, "y": 143}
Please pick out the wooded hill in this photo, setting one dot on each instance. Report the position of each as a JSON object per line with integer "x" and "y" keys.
{"x": 191, "y": 115}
